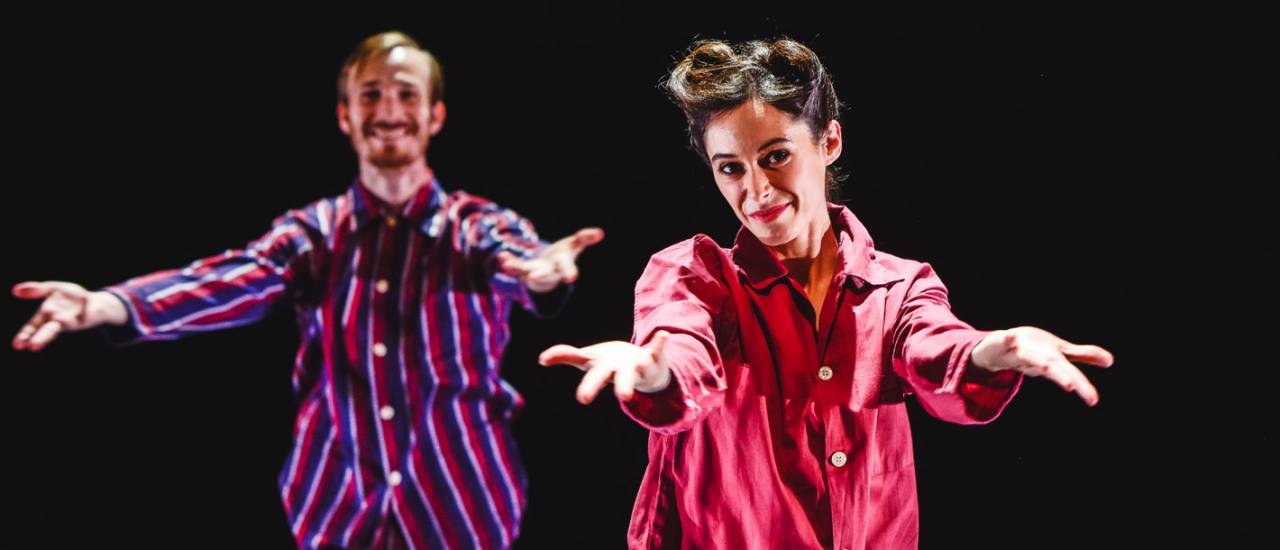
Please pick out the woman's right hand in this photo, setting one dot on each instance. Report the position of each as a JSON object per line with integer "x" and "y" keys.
{"x": 631, "y": 368}
{"x": 67, "y": 307}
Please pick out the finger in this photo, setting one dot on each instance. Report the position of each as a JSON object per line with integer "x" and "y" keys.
{"x": 1092, "y": 355}
{"x": 592, "y": 382}
{"x": 563, "y": 354}
{"x": 1079, "y": 382}
{"x": 45, "y": 334}
{"x": 586, "y": 237}
{"x": 32, "y": 290}
{"x": 656, "y": 344}
{"x": 23, "y": 339}
{"x": 1043, "y": 367}
{"x": 568, "y": 270}
{"x": 624, "y": 383}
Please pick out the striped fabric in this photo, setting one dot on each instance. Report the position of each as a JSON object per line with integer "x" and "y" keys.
{"x": 403, "y": 419}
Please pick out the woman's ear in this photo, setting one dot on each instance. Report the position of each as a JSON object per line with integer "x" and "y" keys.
{"x": 832, "y": 141}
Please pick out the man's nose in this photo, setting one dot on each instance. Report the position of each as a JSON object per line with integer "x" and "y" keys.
{"x": 389, "y": 109}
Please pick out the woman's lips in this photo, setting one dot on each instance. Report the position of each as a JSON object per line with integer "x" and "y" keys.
{"x": 769, "y": 214}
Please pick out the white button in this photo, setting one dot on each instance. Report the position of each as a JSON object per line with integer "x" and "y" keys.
{"x": 381, "y": 286}
{"x": 386, "y": 412}
{"x": 825, "y": 373}
{"x": 316, "y": 540}
{"x": 394, "y": 478}
{"x": 379, "y": 349}
{"x": 838, "y": 459}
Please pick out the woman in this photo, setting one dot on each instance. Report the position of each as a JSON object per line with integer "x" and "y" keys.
{"x": 773, "y": 374}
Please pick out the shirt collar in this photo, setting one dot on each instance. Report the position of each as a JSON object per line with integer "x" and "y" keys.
{"x": 757, "y": 264}
{"x": 421, "y": 210}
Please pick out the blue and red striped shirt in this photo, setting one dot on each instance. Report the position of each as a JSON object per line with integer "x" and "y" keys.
{"x": 403, "y": 417}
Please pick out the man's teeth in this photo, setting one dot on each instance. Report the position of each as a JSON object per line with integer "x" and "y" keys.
{"x": 391, "y": 132}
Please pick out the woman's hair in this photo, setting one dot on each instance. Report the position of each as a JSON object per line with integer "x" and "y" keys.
{"x": 717, "y": 76}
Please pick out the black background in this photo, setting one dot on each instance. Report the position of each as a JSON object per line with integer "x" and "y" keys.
{"x": 989, "y": 140}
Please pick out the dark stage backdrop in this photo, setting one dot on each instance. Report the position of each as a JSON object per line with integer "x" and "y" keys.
{"x": 987, "y": 140}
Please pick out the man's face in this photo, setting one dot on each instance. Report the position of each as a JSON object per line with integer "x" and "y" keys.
{"x": 389, "y": 114}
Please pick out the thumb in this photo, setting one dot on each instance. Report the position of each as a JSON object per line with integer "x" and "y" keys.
{"x": 587, "y": 237}
{"x": 32, "y": 290}
{"x": 656, "y": 345}
{"x": 563, "y": 354}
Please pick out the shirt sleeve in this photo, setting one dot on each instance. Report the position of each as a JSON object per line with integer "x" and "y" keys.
{"x": 486, "y": 229}
{"x": 680, "y": 293}
{"x": 234, "y": 288}
{"x": 931, "y": 350}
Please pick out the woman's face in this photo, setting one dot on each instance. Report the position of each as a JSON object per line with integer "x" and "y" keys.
{"x": 768, "y": 167}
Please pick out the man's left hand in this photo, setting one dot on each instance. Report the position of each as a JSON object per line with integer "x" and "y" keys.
{"x": 556, "y": 264}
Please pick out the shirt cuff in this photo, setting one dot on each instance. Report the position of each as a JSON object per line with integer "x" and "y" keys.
{"x": 659, "y": 409}
{"x": 985, "y": 393}
{"x": 128, "y": 333}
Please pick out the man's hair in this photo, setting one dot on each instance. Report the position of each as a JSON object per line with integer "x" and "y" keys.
{"x": 382, "y": 44}
{"x": 718, "y": 76}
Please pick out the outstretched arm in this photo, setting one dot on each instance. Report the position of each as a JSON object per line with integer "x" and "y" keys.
{"x": 233, "y": 288}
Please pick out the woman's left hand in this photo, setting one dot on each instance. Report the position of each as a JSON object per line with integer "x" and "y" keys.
{"x": 1037, "y": 352}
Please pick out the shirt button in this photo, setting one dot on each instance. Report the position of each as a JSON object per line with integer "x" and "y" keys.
{"x": 316, "y": 540}
{"x": 838, "y": 459}
{"x": 391, "y": 221}
{"x": 386, "y": 412}
{"x": 381, "y": 286}
{"x": 379, "y": 349}
{"x": 825, "y": 373}
{"x": 394, "y": 478}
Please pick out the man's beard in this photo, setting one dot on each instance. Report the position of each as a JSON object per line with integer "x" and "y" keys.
{"x": 390, "y": 158}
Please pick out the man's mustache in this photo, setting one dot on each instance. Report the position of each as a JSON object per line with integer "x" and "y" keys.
{"x": 370, "y": 127}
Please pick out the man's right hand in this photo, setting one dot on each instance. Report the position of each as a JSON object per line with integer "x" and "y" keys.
{"x": 67, "y": 307}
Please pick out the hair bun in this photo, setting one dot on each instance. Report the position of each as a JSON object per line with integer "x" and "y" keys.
{"x": 710, "y": 54}
{"x": 793, "y": 63}
{"x": 716, "y": 76}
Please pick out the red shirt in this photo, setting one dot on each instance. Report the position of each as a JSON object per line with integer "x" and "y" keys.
{"x": 777, "y": 435}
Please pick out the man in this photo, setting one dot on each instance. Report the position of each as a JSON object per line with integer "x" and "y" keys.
{"x": 403, "y": 436}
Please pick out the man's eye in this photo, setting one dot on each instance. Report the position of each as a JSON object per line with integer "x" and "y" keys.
{"x": 408, "y": 95}
{"x": 371, "y": 95}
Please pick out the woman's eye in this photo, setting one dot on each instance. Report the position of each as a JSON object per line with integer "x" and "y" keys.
{"x": 730, "y": 168}
{"x": 777, "y": 157}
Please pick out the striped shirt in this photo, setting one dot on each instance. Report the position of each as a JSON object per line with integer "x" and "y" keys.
{"x": 403, "y": 419}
